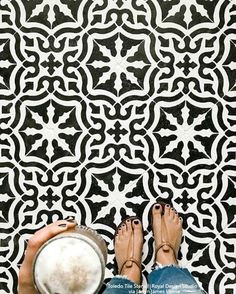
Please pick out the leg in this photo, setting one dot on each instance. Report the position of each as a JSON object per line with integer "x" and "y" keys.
{"x": 168, "y": 277}
{"x": 128, "y": 252}
{"x": 172, "y": 280}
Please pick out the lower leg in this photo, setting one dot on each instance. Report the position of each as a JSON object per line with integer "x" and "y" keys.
{"x": 128, "y": 249}
{"x": 167, "y": 229}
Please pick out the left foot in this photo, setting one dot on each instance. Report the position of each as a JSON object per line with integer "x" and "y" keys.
{"x": 128, "y": 249}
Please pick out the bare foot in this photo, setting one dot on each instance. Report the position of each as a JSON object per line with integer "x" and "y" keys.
{"x": 167, "y": 228}
{"x": 128, "y": 249}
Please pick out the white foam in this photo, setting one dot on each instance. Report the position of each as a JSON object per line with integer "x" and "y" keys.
{"x": 68, "y": 265}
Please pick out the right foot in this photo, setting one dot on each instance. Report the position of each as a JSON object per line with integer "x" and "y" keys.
{"x": 167, "y": 228}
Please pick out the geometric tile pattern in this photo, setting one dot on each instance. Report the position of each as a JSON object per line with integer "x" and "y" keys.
{"x": 108, "y": 106}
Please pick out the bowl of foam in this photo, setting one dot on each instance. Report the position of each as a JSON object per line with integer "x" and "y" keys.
{"x": 72, "y": 262}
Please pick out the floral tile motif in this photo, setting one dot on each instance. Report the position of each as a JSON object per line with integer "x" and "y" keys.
{"x": 109, "y": 106}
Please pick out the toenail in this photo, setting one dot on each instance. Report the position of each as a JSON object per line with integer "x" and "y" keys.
{"x": 128, "y": 220}
{"x": 157, "y": 206}
{"x": 71, "y": 221}
{"x": 167, "y": 205}
{"x": 136, "y": 222}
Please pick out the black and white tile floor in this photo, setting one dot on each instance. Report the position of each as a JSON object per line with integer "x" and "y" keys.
{"x": 109, "y": 105}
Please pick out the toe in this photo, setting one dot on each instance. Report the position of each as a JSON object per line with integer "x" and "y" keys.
{"x": 157, "y": 210}
{"x": 157, "y": 223}
{"x": 138, "y": 238}
{"x": 172, "y": 213}
{"x": 128, "y": 225}
{"x": 119, "y": 232}
{"x": 138, "y": 231}
{"x": 180, "y": 221}
{"x": 176, "y": 217}
{"x": 137, "y": 226}
{"x": 123, "y": 228}
{"x": 167, "y": 210}
{"x": 118, "y": 235}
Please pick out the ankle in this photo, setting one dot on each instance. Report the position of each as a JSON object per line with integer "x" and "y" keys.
{"x": 166, "y": 258}
{"x": 133, "y": 274}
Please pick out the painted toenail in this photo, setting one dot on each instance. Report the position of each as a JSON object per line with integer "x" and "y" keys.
{"x": 167, "y": 205}
{"x": 136, "y": 222}
{"x": 73, "y": 221}
{"x": 157, "y": 206}
{"x": 128, "y": 220}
